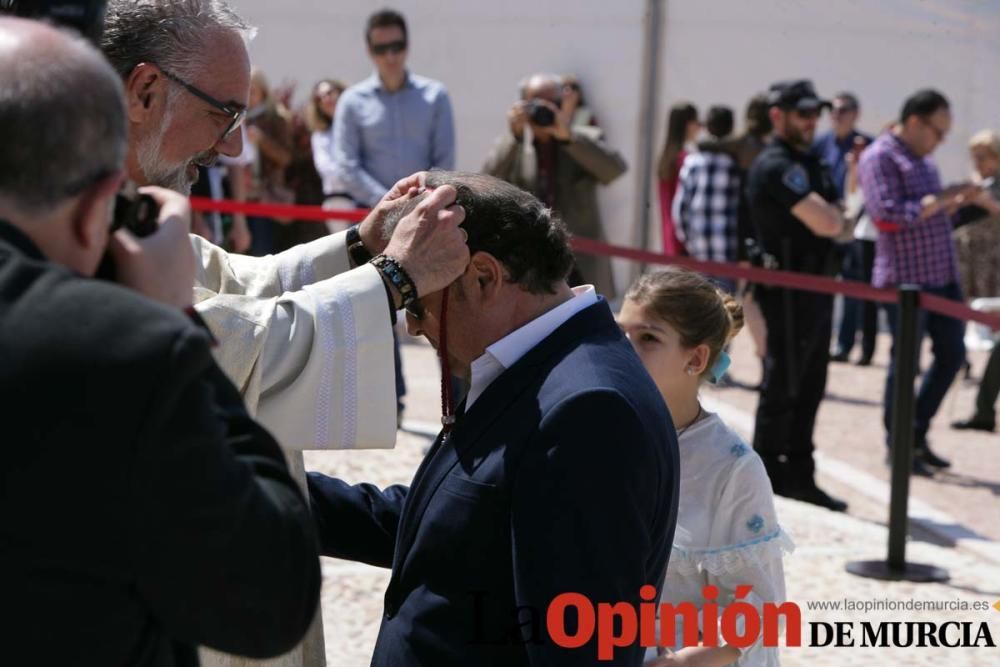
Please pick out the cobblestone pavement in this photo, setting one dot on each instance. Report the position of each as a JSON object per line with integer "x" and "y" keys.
{"x": 849, "y": 428}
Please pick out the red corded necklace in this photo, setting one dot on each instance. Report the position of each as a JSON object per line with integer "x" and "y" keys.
{"x": 447, "y": 407}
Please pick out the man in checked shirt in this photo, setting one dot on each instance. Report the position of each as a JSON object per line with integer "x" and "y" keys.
{"x": 915, "y": 217}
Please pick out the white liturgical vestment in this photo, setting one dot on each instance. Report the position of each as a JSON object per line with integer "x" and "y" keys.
{"x": 308, "y": 342}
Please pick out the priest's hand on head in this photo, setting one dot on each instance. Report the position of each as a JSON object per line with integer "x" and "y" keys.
{"x": 429, "y": 244}
{"x": 403, "y": 191}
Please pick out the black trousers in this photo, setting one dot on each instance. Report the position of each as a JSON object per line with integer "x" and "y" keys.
{"x": 858, "y": 263}
{"x": 989, "y": 387}
{"x": 798, "y": 352}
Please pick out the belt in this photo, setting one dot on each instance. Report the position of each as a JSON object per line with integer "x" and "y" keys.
{"x": 887, "y": 226}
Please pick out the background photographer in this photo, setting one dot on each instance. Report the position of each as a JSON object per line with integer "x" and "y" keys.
{"x": 134, "y": 483}
{"x": 561, "y": 163}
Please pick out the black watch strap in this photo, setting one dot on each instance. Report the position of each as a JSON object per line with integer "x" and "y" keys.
{"x": 360, "y": 255}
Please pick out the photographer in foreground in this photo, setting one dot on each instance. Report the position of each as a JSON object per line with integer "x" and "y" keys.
{"x": 143, "y": 511}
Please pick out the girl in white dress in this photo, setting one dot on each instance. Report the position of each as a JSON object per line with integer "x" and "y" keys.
{"x": 727, "y": 533}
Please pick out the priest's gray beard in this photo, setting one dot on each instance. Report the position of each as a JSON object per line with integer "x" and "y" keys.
{"x": 158, "y": 171}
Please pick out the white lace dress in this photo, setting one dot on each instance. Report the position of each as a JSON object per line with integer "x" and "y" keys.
{"x": 727, "y": 532}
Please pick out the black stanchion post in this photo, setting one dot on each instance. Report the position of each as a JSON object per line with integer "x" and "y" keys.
{"x": 902, "y": 425}
{"x": 895, "y": 567}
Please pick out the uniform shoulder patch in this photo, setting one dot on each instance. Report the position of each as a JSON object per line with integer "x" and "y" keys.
{"x": 796, "y": 179}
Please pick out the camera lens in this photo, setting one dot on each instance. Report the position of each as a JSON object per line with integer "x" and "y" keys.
{"x": 541, "y": 115}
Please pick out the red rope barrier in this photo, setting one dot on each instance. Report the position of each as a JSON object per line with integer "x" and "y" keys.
{"x": 291, "y": 211}
{"x": 800, "y": 281}
{"x": 958, "y": 310}
{"x": 776, "y": 278}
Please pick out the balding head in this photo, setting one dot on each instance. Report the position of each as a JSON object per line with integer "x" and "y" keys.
{"x": 62, "y": 116}
{"x": 519, "y": 258}
{"x": 510, "y": 224}
{"x": 542, "y": 85}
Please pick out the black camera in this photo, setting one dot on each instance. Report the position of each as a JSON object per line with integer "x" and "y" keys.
{"x": 540, "y": 114}
{"x": 84, "y": 16}
{"x": 141, "y": 216}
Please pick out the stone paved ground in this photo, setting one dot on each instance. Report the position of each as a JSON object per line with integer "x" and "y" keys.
{"x": 849, "y": 429}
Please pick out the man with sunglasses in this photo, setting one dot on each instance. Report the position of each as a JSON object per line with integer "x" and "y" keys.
{"x": 390, "y": 125}
{"x": 916, "y": 217}
{"x": 793, "y": 207}
{"x": 393, "y": 123}
{"x": 144, "y": 512}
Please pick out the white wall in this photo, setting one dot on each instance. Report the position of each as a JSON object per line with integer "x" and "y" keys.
{"x": 480, "y": 50}
{"x": 723, "y": 51}
{"x": 715, "y": 51}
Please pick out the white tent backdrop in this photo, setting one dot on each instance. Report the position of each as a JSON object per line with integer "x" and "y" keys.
{"x": 712, "y": 52}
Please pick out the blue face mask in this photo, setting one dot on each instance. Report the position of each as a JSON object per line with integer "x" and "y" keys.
{"x": 720, "y": 367}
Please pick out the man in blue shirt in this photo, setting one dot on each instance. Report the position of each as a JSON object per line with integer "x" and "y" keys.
{"x": 834, "y": 145}
{"x": 833, "y": 148}
{"x": 390, "y": 125}
{"x": 393, "y": 123}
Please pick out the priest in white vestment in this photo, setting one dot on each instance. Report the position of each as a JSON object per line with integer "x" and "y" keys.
{"x": 308, "y": 341}
{"x": 293, "y": 331}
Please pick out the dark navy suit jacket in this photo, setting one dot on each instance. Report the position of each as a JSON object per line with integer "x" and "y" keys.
{"x": 562, "y": 477}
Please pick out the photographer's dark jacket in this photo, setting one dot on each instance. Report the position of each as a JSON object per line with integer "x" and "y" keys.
{"x": 142, "y": 512}
{"x": 568, "y": 183}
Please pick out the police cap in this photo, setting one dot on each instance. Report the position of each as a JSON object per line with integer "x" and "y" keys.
{"x": 797, "y": 94}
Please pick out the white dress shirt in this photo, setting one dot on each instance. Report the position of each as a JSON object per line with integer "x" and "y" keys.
{"x": 504, "y": 353}
{"x": 322, "y": 150}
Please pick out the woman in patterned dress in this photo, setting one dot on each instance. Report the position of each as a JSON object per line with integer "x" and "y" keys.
{"x": 979, "y": 243}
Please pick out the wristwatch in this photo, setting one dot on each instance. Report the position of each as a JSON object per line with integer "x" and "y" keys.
{"x": 359, "y": 254}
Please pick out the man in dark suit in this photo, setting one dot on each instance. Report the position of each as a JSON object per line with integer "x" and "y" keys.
{"x": 560, "y": 474}
{"x": 142, "y": 512}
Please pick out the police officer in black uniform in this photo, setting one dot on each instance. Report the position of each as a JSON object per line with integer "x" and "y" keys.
{"x": 795, "y": 214}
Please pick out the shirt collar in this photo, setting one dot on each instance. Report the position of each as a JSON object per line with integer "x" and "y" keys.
{"x": 900, "y": 146}
{"x": 18, "y": 239}
{"x": 504, "y": 353}
{"x": 375, "y": 81}
{"x": 846, "y": 142}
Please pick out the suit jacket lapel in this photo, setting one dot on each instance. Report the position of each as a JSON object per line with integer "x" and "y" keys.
{"x": 488, "y": 408}
{"x": 448, "y": 450}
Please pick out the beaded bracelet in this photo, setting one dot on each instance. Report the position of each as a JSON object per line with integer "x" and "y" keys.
{"x": 397, "y": 275}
